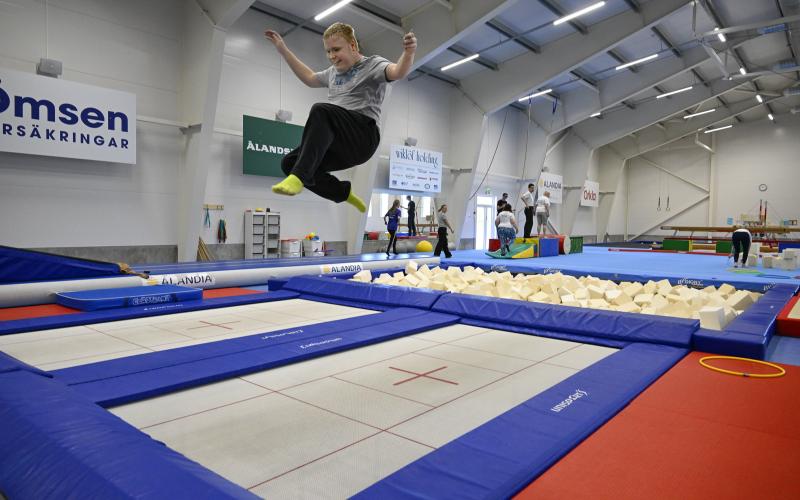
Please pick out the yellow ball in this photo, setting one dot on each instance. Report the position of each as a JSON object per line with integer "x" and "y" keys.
{"x": 424, "y": 246}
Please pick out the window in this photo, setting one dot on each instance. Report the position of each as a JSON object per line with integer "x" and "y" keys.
{"x": 426, "y": 206}
{"x": 384, "y": 203}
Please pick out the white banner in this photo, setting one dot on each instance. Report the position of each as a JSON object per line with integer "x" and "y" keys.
{"x": 349, "y": 267}
{"x": 591, "y": 194}
{"x": 414, "y": 169}
{"x": 47, "y": 116}
{"x": 552, "y": 183}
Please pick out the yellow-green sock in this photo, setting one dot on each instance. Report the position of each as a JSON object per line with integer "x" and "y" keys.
{"x": 357, "y": 202}
{"x": 290, "y": 186}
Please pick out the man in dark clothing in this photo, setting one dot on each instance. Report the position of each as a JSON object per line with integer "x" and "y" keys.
{"x": 412, "y": 216}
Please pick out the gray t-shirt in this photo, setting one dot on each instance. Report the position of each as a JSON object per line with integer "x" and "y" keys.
{"x": 359, "y": 89}
{"x": 441, "y": 218}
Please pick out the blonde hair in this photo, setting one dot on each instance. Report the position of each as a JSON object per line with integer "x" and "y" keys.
{"x": 344, "y": 30}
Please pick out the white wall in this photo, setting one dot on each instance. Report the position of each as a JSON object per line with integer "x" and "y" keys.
{"x": 758, "y": 153}
{"x": 747, "y": 155}
{"x": 127, "y": 46}
{"x": 138, "y": 47}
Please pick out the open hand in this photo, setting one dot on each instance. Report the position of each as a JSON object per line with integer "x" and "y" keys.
{"x": 275, "y": 38}
{"x": 410, "y": 42}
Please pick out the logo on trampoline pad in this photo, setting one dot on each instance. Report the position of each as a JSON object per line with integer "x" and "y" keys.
{"x": 194, "y": 279}
{"x": 570, "y": 399}
{"x": 151, "y": 299}
{"x": 351, "y": 267}
{"x": 690, "y": 282}
{"x": 321, "y": 342}
{"x": 279, "y": 335}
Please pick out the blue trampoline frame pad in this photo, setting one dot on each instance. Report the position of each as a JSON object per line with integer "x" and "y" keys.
{"x": 502, "y": 456}
{"x": 68, "y": 446}
{"x": 99, "y": 316}
{"x": 111, "y": 298}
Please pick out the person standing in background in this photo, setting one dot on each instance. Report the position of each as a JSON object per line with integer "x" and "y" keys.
{"x": 741, "y": 239}
{"x": 527, "y": 199}
{"x": 542, "y": 213}
{"x": 506, "y": 228}
{"x": 444, "y": 225}
{"x": 392, "y": 220}
{"x": 412, "y": 216}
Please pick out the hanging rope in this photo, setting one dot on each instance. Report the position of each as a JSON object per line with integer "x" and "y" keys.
{"x": 491, "y": 161}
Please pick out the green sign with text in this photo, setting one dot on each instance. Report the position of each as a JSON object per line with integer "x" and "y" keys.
{"x": 265, "y": 143}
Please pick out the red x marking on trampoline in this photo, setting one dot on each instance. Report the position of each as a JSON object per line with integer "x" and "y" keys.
{"x": 421, "y": 375}
{"x": 208, "y": 323}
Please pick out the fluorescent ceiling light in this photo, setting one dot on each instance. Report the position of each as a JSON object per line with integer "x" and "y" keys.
{"x": 772, "y": 118}
{"x": 581, "y": 12}
{"x": 674, "y": 92}
{"x": 536, "y": 94}
{"x": 742, "y": 70}
{"x": 460, "y": 61}
{"x": 623, "y": 66}
{"x": 721, "y": 36}
{"x": 717, "y": 129}
{"x": 594, "y": 115}
{"x": 332, "y": 8}
{"x": 759, "y": 98}
{"x": 700, "y": 113}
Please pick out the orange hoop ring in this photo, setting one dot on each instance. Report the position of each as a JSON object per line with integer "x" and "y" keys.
{"x": 781, "y": 372}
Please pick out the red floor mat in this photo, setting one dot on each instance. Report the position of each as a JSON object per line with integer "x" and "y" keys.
{"x": 216, "y": 293}
{"x": 694, "y": 433}
{"x": 29, "y": 312}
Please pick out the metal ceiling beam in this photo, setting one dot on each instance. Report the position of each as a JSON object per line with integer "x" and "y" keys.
{"x": 288, "y": 18}
{"x": 482, "y": 60}
{"x": 557, "y": 10}
{"x": 509, "y": 32}
{"x": 528, "y": 71}
{"x": 634, "y": 5}
{"x": 748, "y": 27}
{"x": 621, "y": 60}
{"x": 642, "y": 145}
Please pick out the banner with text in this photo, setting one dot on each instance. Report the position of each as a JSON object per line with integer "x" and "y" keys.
{"x": 265, "y": 143}
{"x": 591, "y": 194}
{"x": 552, "y": 183}
{"x": 47, "y": 116}
{"x": 414, "y": 169}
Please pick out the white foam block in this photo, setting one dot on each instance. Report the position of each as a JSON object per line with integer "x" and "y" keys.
{"x": 364, "y": 276}
{"x": 739, "y": 300}
{"x": 712, "y": 318}
{"x": 725, "y": 289}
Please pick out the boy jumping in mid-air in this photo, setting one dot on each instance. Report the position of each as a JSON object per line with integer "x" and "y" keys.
{"x": 345, "y": 131}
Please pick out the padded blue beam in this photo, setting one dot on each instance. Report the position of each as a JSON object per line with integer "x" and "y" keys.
{"x": 502, "y": 456}
{"x": 748, "y": 335}
{"x": 110, "y": 298}
{"x": 56, "y": 444}
{"x": 18, "y": 265}
{"x": 580, "y": 321}
{"x": 117, "y": 382}
{"x": 12, "y": 364}
{"x": 393, "y": 296}
{"x": 77, "y": 319}
{"x": 584, "y": 339}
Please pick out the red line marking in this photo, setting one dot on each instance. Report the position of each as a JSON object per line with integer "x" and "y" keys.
{"x": 208, "y": 323}
{"x": 421, "y": 375}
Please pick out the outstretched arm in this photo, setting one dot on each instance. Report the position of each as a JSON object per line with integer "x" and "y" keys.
{"x": 401, "y": 69}
{"x": 299, "y": 68}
